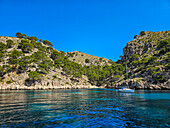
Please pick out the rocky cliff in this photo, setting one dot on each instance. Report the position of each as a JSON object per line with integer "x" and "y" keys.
{"x": 148, "y": 60}
{"x": 30, "y": 63}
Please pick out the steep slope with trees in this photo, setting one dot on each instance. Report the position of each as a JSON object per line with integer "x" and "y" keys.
{"x": 148, "y": 60}
{"x": 27, "y": 62}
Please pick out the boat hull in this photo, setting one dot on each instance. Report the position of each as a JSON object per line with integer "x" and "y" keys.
{"x": 126, "y": 90}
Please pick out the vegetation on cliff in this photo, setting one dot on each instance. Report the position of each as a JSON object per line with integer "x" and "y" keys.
{"x": 30, "y": 61}
{"x": 37, "y": 59}
{"x": 148, "y": 57}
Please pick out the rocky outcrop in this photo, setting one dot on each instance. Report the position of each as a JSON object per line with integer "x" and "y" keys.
{"x": 38, "y": 86}
{"x": 53, "y": 80}
{"x": 141, "y": 85}
{"x": 143, "y": 44}
{"x": 148, "y": 60}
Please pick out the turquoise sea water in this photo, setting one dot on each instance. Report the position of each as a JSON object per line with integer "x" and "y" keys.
{"x": 93, "y": 108}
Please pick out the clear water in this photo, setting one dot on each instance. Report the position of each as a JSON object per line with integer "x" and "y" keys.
{"x": 91, "y": 108}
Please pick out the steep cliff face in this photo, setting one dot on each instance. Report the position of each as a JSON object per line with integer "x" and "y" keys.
{"x": 145, "y": 45}
{"x": 148, "y": 60}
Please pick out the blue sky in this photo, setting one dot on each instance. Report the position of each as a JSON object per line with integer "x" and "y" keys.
{"x": 96, "y": 27}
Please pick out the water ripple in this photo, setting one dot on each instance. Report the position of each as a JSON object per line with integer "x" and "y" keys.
{"x": 84, "y": 108}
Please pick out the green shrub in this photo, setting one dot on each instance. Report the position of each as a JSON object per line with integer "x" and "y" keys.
{"x": 48, "y": 83}
{"x": 100, "y": 59}
{"x": 70, "y": 54}
{"x": 144, "y": 61}
{"x": 167, "y": 59}
{"x": 115, "y": 78}
{"x": 43, "y": 49}
{"x": 2, "y": 71}
{"x": 168, "y": 53}
{"x": 153, "y": 70}
{"x": 1, "y": 56}
{"x": 49, "y": 50}
{"x": 57, "y": 55}
{"x": 2, "y": 46}
{"x": 164, "y": 44}
{"x": 14, "y": 61}
{"x": 134, "y": 57}
{"x": 10, "y": 43}
{"x": 135, "y": 36}
{"x": 46, "y": 42}
{"x": 135, "y": 63}
{"x": 32, "y": 38}
{"x": 9, "y": 82}
{"x": 35, "y": 76}
{"x": 58, "y": 63}
{"x": 15, "y": 54}
{"x": 24, "y": 41}
{"x": 54, "y": 76}
{"x": 38, "y": 56}
{"x": 23, "y": 66}
{"x": 159, "y": 78}
{"x": 142, "y": 33}
{"x": 27, "y": 47}
{"x": 19, "y": 35}
{"x": 26, "y": 60}
{"x": 43, "y": 68}
{"x": 67, "y": 82}
{"x": 167, "y": 67}
{"x": 162, "y": 51}
{"x": 36, "y": 44}
{"x": 87, "y": 60}
{"x": 48, "y": 62}
{"x": 152, "y": 60}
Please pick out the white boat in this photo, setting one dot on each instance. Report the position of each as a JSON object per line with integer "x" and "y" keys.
{"x": 126, "y": 90}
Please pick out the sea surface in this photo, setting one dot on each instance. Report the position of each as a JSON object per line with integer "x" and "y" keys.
{"x": 92, "y": 108}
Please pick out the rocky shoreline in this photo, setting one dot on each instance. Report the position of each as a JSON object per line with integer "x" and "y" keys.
{"x": 133, "y": 84}
{"x": 32, "y": 64}
{"x": 38, "y": 87}
{"x": 142, "y": 85}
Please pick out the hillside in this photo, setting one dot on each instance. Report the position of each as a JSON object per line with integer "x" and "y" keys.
{"x": 86, "y": 59}
{"x": 148, "y": 60}
{"x": 31, "y": 63}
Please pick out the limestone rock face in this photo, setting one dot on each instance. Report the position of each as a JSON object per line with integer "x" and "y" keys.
{"x": 48, "y": 82}
{"x": 141, "y": 85}
{"x": 148, "y": 60}
{"x": 15, "y": 67}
